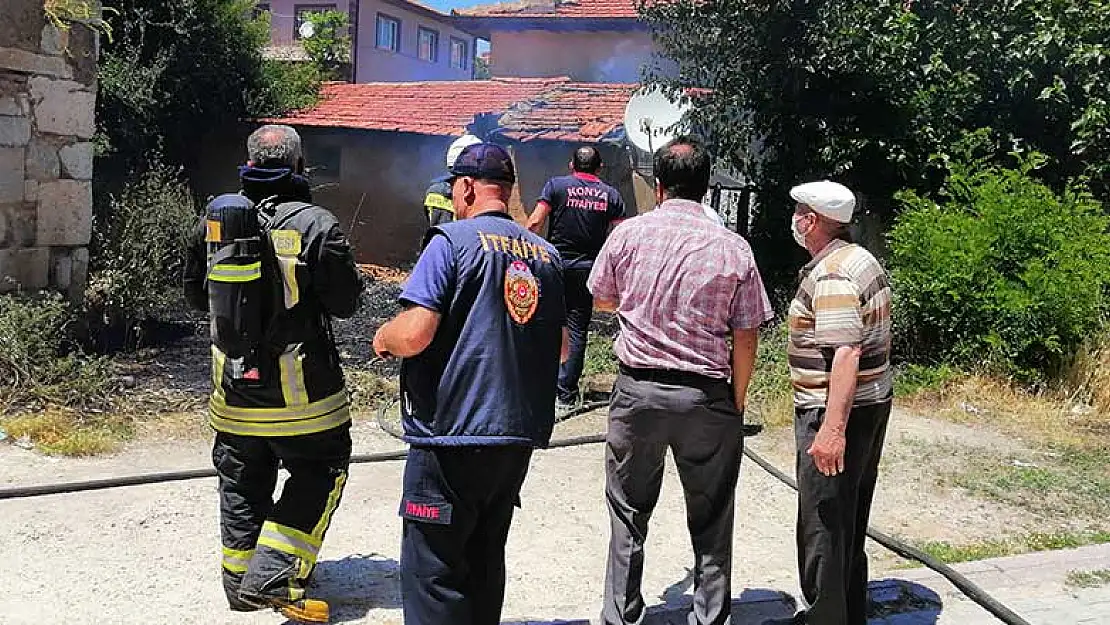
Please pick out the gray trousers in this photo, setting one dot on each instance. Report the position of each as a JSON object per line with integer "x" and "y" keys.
{"x": 699, "y": 422}
{"x": 833, "y": 513}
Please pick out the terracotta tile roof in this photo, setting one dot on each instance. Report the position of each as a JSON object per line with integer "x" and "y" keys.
{"x": 432, "y": 108}
{"x": 528, "y": 109}
{"x": 570, "y": 112}
{"x": 598, "y": 9}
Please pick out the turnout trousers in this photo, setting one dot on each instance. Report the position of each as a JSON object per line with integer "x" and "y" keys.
{"x": 270, "y": 548}
{"x": 697, "y": 418}
{"x": 457, "y": 505}
{"x": 833, "y": 513}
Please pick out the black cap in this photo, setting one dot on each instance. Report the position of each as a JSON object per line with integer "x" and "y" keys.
{"x": 485, "y": 161}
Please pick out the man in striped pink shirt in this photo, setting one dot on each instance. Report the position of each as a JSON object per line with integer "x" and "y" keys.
{"x": 682, "y": 287}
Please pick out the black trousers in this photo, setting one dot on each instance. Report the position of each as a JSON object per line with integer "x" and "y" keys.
{"x": 270, "y": 548}
{"x": 699, "y": 422}
{"x": 457, "y": 506}
{"x": 580, "y": 311}
{"x": 833, "y": 513}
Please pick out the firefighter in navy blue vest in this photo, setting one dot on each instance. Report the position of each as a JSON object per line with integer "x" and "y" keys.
{"x": 481, "y": 335}
{"x": 278, "y": 391}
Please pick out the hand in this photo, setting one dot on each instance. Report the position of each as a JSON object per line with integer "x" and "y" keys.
{"x": 379, "y": 347}
{"x": 827, "y": 451}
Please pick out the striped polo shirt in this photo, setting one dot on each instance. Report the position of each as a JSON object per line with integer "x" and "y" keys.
{"x": 843, "y": 299}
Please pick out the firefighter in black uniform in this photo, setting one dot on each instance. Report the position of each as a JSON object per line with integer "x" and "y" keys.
{"x": 481, "y": 336}
{"x": 284, "y": 401}
{"x": 437, "y": 199}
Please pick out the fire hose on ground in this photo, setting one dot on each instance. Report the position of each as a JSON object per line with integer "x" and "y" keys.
{"x": 963, "y": 584}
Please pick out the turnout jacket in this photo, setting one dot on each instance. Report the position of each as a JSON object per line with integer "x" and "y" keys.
{"x": 302, "y": 390}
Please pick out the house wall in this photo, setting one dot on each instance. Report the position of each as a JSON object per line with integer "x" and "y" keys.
{"x": 371, "y": 63}
{"x": 47, "y": 108}
{"x": 282, "y": 17}
{"x": 596, "y": 56}
{"x": 375, "y": 65}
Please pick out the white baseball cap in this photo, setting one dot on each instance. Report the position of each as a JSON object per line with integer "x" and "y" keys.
{"x": 831, "y": 199}
{"x": 457, "y": 146}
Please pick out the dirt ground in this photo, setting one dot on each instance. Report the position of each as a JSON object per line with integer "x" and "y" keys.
{"x": 150, "y": 554}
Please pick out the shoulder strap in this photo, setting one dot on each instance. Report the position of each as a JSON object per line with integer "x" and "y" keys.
{"x": 284, "y": 212}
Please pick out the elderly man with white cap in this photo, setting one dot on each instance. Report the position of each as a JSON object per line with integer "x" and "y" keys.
{"x": 840, "y": 369}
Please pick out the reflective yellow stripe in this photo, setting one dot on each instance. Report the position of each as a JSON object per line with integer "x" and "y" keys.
{"x": 236, "y": 560}
{"x": 236, "y": 273}
{"x": 292, "y": 376}
{"x": 297, "y": 427}
{"x": 442, "y": 202}
{"x": 218, "y": 359}
{"x": 329, "y": 507}
{"x": 283, "y": 413}
{"x": 291, "y": 428}
{"x": 289, "y": 280}
{"x": 289, "y": 540}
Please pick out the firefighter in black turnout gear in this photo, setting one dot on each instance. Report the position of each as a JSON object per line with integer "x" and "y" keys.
{"x": 271, "y": 269}
{"x": 438, "y": 208}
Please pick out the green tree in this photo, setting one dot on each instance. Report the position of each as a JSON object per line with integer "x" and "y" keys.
{"x": 875, "y": 93}
{"x": 481, "y": 68}
{"x": 329, "y": 46}
{"x": 173, "y": 73}
{"x": 177, "y": 69}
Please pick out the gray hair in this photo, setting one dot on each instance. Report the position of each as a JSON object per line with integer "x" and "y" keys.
{"x": 274, "y": 146}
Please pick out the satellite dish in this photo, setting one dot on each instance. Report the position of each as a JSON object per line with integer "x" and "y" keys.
{"x": 307, "y": 30}
{"x": 651, "y": 119}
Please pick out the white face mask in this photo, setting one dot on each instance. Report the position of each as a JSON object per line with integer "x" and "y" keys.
{"x": 799, "y": 236}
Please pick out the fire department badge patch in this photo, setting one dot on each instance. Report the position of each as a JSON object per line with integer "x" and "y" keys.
{"x": 522, "y": 292}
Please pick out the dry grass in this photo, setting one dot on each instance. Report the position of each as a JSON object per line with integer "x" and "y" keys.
{"x": 1056, "y": 418}
{"x": 369, "y": 391}
{"x": 1088, "y": 579}
{"x": 63, "y": 432}
{"x": 174, "y": 425}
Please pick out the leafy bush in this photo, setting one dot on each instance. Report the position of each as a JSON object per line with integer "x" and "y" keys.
{"x": 140, "y": 250}
{"x": 40, "y": 362}
{"x": 912, "y": 379}
{"x": 1005, "y": 273}
{"x": 284, "y": 87}
{"x": 771, "y": 394}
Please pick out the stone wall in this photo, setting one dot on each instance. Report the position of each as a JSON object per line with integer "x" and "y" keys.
{"x": 47, "y": 106}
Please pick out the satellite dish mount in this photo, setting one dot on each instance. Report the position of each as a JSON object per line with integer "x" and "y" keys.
{"x": 651, "y": 119}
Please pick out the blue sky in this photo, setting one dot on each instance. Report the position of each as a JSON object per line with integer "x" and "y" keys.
{"x": 447, "y": 5}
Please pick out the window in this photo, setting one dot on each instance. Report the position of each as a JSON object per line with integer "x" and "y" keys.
{"x": 459, "y": 57}
{"x": 301, "y": 13}
{"x": 428, "y": 42}
{"x": 389, "y": 33}
{"x": 259, "y": 9}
